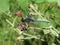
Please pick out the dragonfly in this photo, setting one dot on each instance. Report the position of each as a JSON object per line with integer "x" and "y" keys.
{"x": 29, "y": 19}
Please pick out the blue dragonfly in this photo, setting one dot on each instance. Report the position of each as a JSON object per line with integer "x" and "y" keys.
{"x": 30, "y": 19}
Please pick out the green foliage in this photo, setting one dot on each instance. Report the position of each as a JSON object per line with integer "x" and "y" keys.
{"x": 39, "y": 1}
{"x": 51, "y": 1}
{"x": 42, "y": 1}
{"x": 4, "y": 5}
{"x": 58, "y": 2}
{"x": 23, "y": 4}
{"x": 37, "y": 32}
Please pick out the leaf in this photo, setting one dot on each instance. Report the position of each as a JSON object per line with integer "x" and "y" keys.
{"x": 4, "y": 5}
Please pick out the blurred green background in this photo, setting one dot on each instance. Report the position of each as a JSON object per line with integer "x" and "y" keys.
{"x": 11, "y": 35}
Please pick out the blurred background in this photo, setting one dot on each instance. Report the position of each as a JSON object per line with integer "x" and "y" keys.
{"x": 40, "y": 33}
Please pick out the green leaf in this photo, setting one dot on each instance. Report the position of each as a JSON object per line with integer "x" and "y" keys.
{"x": 4, "y": 5}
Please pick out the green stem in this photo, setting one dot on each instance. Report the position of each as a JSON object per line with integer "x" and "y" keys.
{"x": 9, "y": 22}
{"x": 15, "y": 19}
